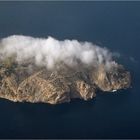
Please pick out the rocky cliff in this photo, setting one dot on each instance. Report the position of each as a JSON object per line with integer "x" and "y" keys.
{"x": 26, "y": 82}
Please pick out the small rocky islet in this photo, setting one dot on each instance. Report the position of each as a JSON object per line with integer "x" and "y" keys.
{"x": 29, "y": 83}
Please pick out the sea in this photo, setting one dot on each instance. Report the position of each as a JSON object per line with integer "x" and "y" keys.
{"x": 111, "y": 24}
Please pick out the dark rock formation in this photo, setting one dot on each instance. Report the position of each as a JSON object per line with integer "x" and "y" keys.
{"x": 20, "y": 83}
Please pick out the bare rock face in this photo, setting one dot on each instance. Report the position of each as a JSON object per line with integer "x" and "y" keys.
{"x": 19, "y": 84}
{"x": 114, "y": 79}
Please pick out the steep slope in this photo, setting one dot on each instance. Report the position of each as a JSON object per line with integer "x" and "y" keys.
{"x": 20, "y": 83}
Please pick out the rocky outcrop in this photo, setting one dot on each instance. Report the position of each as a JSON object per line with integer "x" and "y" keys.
{"x": 114, "y": 79}
{"x": 20, "y": 84}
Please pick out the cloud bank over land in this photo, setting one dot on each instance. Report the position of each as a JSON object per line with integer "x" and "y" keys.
{"x": 49, "y": 51}
{"x": 23, "y": 77}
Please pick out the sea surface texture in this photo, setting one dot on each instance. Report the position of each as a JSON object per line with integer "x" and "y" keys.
{"x": 114, "y": 25}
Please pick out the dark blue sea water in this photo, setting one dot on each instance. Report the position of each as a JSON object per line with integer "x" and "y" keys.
{"x": 115, "y": 25}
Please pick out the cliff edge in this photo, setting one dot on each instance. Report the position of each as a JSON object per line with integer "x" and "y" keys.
{"x": 29, "y": 83}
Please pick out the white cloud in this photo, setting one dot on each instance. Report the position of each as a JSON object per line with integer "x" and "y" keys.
{"x": 50, "y": 52}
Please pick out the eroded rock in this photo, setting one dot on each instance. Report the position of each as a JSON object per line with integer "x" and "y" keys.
{"x": 18, "y": 84}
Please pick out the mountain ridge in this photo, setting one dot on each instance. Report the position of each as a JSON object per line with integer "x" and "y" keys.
{"x": 21, "y": 83}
